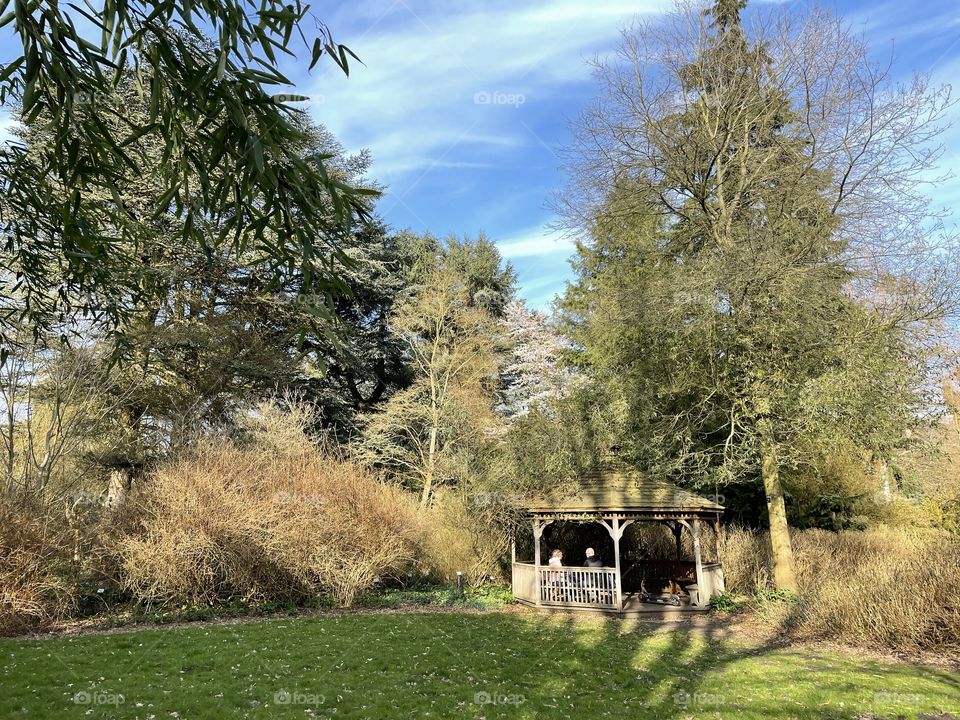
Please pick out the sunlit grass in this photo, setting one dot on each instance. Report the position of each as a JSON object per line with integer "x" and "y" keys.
{"x": 450, "y": 665}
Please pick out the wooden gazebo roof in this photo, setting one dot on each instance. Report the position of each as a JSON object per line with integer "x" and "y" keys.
{"x": 616, "y": 490}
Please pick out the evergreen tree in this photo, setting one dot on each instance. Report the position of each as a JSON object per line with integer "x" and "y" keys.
{"x": 714, "y": 297}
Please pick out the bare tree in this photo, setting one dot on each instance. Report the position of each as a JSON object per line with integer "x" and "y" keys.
{"x": 879, "y": 141}
{"x": 52, "y": 412}
{"x": 425, "y": 431}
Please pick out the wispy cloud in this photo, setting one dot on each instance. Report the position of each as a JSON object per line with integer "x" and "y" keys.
{"x": 432, "y": 70}
{"x": 538, "y": 241}
{"x": 540, "y": 255}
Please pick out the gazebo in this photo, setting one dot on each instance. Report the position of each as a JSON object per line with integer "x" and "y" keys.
{"x": 616, "y": 496}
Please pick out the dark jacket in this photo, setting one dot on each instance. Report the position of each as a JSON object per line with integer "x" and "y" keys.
{"x": 593, "y": 562}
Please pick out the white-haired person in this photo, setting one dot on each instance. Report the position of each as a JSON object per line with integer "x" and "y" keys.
{"x": 592, "y": 560}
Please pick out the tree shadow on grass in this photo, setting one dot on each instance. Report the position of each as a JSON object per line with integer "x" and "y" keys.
{"x": 583, "y": 667}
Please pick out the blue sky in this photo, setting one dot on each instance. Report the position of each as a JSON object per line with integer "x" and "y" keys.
{"x": 464, "y": 105}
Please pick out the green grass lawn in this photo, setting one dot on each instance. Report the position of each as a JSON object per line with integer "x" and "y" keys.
{"x": 451, "y": 665}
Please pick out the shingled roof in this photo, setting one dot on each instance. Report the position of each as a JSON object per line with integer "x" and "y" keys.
{"x": 619, "y": 488}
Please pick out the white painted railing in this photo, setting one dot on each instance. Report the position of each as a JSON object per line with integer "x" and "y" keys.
{"x": 579, "y": 586}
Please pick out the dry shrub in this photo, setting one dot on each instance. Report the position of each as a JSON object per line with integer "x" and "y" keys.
{"x": 465, "y": 533}
{"x": 34, "y": 565}
{"x": 887, "y": 587}
{"x": 746, "y": 560}
{"x": 278, "y": 519}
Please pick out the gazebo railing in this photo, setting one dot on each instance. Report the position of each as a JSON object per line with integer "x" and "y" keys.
{"x": 578, "y": 586}
{"x": 525, "y": 582}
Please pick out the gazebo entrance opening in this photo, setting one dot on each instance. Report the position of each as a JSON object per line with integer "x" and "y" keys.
{"x": 616, "y": 512}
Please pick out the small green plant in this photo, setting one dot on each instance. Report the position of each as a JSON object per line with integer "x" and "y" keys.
{"x": 770, "y": 596}
{"x": 482, "y": 598}
{"x": 490, "y": 596}
{"x": 724, "y": 602}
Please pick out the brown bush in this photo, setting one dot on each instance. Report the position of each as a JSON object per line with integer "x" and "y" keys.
{"x": 746, "y": 559}
{"x": 34, "y": 566}
{"x": 887, "y": 587}
{"x": 269, "y": 521}
{"x": 466, "y": 533}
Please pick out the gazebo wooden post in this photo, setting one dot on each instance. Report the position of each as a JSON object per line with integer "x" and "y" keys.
{"x": 615, "y": 533}
{"x": 616, "y": 528}
{"x": 718, "y": 539}
{"x": 538, "y": 527}
{"x": 537, "y": 532}
{"x": 698, "y": 561}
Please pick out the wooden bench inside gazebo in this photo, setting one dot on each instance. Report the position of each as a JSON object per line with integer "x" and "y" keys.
{"x": 616, "y": 496}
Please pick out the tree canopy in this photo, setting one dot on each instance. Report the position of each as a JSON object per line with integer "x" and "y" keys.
{"x": 718, "y": 294}
{"x": 207, "y": 77}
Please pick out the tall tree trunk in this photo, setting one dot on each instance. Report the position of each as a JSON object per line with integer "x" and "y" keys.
{"x": 784, "y": 576}
{"x": 431, "y": 462}
{"x": 118, "y": 487}
{"x": 882, "y": 470}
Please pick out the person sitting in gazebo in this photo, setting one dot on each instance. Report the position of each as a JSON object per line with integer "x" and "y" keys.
{"x": 557, "y": 579}
{"x": 592, "y": 559}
